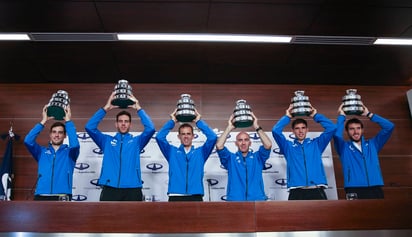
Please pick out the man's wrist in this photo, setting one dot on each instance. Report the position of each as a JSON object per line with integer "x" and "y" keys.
{"x": 259, "y": 128}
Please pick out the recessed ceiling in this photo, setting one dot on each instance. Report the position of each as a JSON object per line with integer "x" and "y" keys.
{"x": 310, "y": 59}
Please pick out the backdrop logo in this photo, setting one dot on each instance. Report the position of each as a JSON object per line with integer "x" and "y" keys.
{"x": 82, "y": 166}
{"x": 281, "y": 182}
{"x": 79, "y": 198}
{"x": 267, "y": 166}
{"x": 292, "y": 136}
{"x": 212, "y": 182}
{"x": 83, "y": 136}
{"x": 94, "y": 182}
{"x": 154, "y": 166}
{"x": 277, "y": 151}
{"x": 196, "y": 136}
{"x": 98, "y": 151}
{"x": 255, "y": 136}
{"x": 142, "y": 151}
{"x": 223, "y": 198}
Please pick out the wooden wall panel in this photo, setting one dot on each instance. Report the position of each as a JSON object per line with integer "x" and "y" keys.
{"x": 22, "y": 104}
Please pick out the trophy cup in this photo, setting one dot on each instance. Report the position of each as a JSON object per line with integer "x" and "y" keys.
{"x": 122, "y": 91}
{"x": 58, "y": 104}
{"x": 301, "y": 104}
{"x": 185, "y": 109}
{"x": 242, "y": 115}
{"x": 352, "y": 104}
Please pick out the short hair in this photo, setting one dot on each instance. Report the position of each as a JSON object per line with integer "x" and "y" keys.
{"x": 351, "y": 121}
{"x": 124, "y": 112}
{"x": 58, "y": 124}
{"x": 185, "y": 125}
{"x": 298, "y": 121}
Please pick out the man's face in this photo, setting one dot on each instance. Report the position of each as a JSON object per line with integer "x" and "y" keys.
{"x": 123, "y": 124}
{"x": 354, "y": 131}
{"x": 243, "y": 142}
{"x": 186, "y": 136}
{"x": 300, "y": 131}
{"x": 57, "y": 135}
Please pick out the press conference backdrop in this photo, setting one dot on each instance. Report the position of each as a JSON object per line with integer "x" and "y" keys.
{"x": 155, "y": 169}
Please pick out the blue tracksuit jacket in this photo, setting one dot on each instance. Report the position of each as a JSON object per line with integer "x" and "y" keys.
{"x": 121, "y": 158}
{"x": 245, "y": 182}
{"x": 361, "y": 168}
{"x": 55, "y": 168}
{"x": 186, "y": 170}
{"x": 304, "y": 160}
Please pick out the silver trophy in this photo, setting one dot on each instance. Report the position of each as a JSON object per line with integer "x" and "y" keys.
{"x": 242, "y": 115}
{"x": 122, "y": 92}
{"x": 58, "y": 104}
{"x": 352, "y": 104}
{"x": 301, "y": 104}
{"x": 185, "y": 109}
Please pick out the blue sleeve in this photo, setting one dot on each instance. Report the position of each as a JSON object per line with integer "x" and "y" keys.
{"x": 338, "y": 140}
{"x": 161, "y": 138}
{"x": 73, "y": 140}
{"x": 224, "y": 157}
{"x": 277, "y": 132}
{"x": 264, "y": 154}
{"x": 30, "y": 141}
{"x": 385, "y": 133}
{"x": 149, "y": 128}
{"x": 91, "y": 128}
{"x": 330, "y": 129}
{"x": 207, "y": 148}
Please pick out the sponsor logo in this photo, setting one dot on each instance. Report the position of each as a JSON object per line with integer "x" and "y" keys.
{"x": 83, "y": 136}
{"x": 281, "y": 182}
{"x": 254, "y": 136}
{"x": 154, "y": 166}
{"x": 81, "y": 166}
{"x": 79, "y": 198}
{"x": 277, "y": 150}
{"x": 98, "y": 151}
{"x": 267, "y": 166}
{"x": 212, "y": 182}
{"x": 223, "y": 198}
{"x": 142, "y": 151}
{"x": 94, "y": 182}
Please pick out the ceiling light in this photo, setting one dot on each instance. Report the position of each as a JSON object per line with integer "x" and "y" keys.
{"x": 14, "y": 37}
{"x": 393, "y": 41}
{"x": 206, "y": 38}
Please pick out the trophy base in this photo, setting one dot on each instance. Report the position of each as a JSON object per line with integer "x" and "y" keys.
{"x": 56, "y": 112}
{"x": 185, "y": 118}
{"x": 353, "y": 112}
{"x": 122, "y": 103}
{"x": 301, "y": 114}
{"x": 243, "y": 124}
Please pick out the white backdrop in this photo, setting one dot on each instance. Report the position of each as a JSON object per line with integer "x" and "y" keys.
{"x": 155, "y": 169}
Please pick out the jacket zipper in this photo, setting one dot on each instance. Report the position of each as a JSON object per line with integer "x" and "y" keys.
{"x": 366, "y": 169}
{"x": 120, "y": 161}
{"x": 52, "y": 176}
{"x": 187, "y": 174}
{"x": 304, "y": 162}
{"x": 247, "y": 183}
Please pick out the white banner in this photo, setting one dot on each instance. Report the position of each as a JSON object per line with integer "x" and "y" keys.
{"x": 155, "y": 169}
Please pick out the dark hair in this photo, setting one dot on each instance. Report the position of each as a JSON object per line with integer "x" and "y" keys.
{"x": 124, "y": 112}
{"x": 353, "y": 120}
{"x": 298, "y": 121}
{"x": 185, "y": 125}
{"x": 58, "y": 124}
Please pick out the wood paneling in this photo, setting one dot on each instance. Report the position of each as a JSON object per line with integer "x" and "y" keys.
{"x": 204, "y": 217}
{"x": 22, "y": 104}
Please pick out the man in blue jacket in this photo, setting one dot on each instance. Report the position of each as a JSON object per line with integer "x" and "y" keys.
{"x": 120, "y": 175}
{"x": 359, "y": 157}
{"x": 305, "y": 172}
{"x": 186, "y": 163}
{"x": 57, "y": 160}
{"x": 245, "y": 182}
